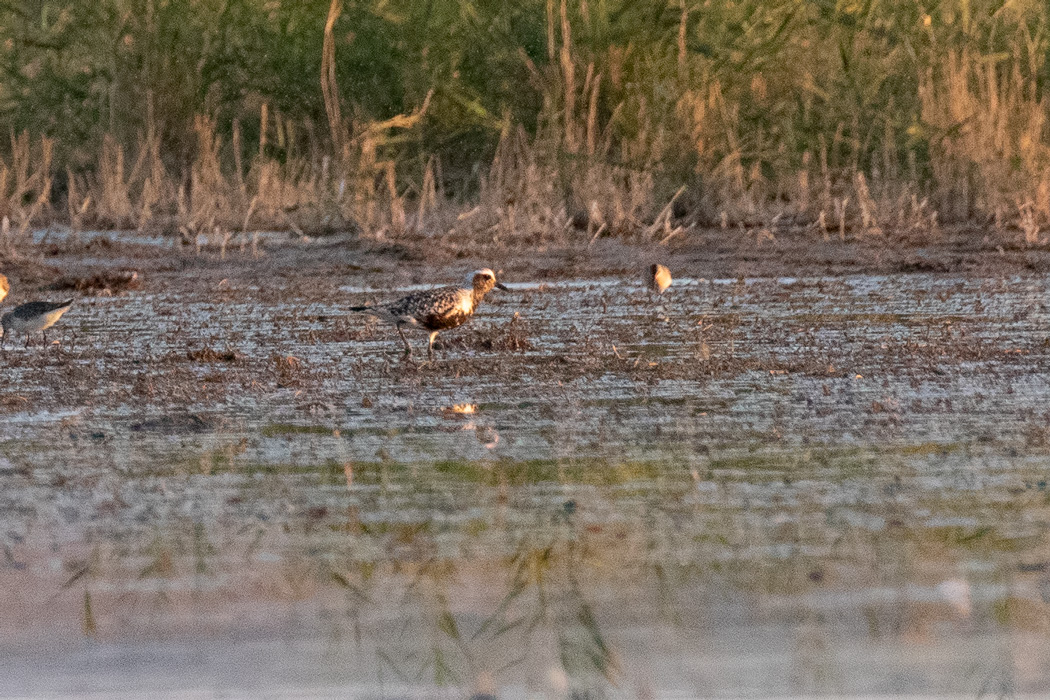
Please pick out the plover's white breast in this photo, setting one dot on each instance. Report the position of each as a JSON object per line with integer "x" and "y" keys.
{"x": 45, "y": 321}
{"x": 465, "y": 301}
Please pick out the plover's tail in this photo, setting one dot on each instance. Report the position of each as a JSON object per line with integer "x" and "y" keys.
{"x": 377, "y": 310}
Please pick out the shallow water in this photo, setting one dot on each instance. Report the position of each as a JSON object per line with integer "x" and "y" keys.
{"x": 754, "y": 487}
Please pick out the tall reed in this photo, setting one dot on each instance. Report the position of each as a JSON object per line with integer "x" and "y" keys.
{"x": 544, "y": 119}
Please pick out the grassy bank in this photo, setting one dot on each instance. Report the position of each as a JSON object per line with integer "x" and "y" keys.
{"x": 547, "y": 118}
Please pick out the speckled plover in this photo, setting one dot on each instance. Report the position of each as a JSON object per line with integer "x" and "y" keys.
{"x": 32, "y": 317}
{"x": 659, "y": 278}
{"x": 436, "y": 310}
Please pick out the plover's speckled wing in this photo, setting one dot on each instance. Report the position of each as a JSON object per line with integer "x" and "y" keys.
{"x": 435, "y": 309}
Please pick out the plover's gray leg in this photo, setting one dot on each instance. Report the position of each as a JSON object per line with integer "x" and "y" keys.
{"x": 430, "y": 348}
{"x": 408, "y": 348}
{"x": 27, "y": 340}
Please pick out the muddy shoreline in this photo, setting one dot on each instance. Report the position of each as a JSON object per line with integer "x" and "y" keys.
{"x": 342, "y": 259}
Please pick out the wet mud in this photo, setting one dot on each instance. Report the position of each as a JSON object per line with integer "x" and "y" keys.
{"x": 757, "y": 484}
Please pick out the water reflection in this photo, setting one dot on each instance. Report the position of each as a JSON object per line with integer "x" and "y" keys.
{"x": 845, "y": 577}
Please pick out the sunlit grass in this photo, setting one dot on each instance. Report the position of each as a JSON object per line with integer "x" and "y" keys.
{"x": 525, "y": 124}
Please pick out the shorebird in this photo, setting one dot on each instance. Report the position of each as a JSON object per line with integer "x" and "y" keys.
{"x": 436, "y": 310}
{"x": 659, "y": 278}
{"x": 5, "y": 287}
{"x": 32, "y": 317}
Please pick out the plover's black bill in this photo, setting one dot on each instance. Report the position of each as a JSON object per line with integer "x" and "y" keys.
{"x": 500, "y": 285}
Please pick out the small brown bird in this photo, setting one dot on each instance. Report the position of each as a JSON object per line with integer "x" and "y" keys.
{"x": 659, "y": 278}
{"x": 32, "y": 317}
{"x": 436, "y": 310}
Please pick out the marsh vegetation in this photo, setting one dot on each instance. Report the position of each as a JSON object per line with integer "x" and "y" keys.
{"x": 528, "y": 122}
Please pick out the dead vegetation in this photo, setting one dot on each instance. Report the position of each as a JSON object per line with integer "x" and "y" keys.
{"x": 101, "y": 283}
{"x": 213, "y": 355}
{"x": 512, "y": 336}
{"x": 645, "y": 144}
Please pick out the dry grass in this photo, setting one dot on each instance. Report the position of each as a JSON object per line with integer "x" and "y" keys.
{"x": 991, "y": 142}
{"x": 542, "y": 187}
{"x": 627, "y": 143}
{"x": 25, "y": 189}
{"x": 308, "y": 195}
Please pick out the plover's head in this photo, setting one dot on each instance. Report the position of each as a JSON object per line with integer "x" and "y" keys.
{"x": 482, "y": 281}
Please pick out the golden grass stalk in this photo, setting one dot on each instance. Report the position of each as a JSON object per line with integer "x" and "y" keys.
{"x": 329, "y": 86}
{"x": 990, "y": 146}
{"x": 25, "y": 189}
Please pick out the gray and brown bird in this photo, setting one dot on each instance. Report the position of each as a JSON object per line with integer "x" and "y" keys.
{"x": 32, "y": 317}
{"x": 659, "y": 278}
{"x": 436, "y": 310}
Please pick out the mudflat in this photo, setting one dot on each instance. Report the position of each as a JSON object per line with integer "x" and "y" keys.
{"x": 811, "y": 466}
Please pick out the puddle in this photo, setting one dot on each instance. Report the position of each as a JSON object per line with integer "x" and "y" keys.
{"x": 767, "y": 487}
